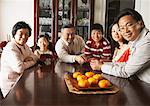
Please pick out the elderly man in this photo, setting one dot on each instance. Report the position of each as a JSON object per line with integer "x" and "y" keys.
{"x": 132, "y": 27}
{"x": 70, "y": 45}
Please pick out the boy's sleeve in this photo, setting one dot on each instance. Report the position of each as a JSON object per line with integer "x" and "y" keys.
{"x": 87, "y": 50}
{"x": 106, "y": 49}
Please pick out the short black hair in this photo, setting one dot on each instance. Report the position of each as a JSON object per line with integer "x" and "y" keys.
{"x": 20, "y": 25}
{"x": 45, "y": 36}
{"x": 68, "y": 26}
{"x": 97, "y": 26}
{"x": 128, "y": 11}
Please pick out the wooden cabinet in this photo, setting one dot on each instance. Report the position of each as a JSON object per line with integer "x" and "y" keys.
{"x": 85, "y": 17}
{"x": 50, "y": 15}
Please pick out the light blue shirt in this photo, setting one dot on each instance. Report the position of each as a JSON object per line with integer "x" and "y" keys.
{"x": 138, "y": 62}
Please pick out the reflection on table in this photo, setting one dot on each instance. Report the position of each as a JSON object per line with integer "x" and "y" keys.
{"x": 45, "y": 85}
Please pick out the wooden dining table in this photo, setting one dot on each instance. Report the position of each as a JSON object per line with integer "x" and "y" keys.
{"x": 45, "y": 86}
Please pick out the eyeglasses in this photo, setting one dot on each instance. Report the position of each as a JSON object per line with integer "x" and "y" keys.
{"x": 127, "y": 26}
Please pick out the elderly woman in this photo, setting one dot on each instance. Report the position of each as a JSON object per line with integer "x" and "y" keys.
{"x": 16, "y": 57}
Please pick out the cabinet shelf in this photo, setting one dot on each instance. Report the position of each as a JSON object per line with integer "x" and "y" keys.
{"x": 83, "y": 10}
{"x": 82, "y": 26}
{"x": 45, "y": 9}
{"x": 45, "y": 24}
{"x": 64, "y": 9}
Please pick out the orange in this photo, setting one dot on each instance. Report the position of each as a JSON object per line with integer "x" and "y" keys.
{"x": 83, "y": 83}
{"x": 98, "y": 76}
{"x": 81, "y": 77}
{"x": 92, "y": 80}
{"x": 104, "y": 83}
{"x": 75, "y": 74}
{"x": 89, "y": 74}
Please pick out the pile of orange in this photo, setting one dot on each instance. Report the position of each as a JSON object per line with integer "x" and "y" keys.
{"x": 90, "y": 79}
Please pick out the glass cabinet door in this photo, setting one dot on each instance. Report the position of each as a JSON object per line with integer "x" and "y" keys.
{"x": 64, "y": 10}
{"x": 84, "y": 17}
{"x": 45, "y": 17}
{"x": 52, "y": 14}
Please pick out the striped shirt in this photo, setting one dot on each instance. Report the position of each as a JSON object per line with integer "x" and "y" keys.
{"x": 103, "y": 51}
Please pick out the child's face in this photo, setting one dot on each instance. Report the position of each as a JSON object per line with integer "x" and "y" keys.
{"x": 96, "y": 35}
{"x": 43, "y": 43}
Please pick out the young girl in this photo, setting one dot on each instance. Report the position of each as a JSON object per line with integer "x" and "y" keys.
{"x": 44, "y": 52}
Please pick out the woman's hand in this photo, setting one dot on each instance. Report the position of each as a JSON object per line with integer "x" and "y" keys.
{"x": 96, "y": 64}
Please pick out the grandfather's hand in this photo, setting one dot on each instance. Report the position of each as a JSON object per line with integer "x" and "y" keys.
{"x": 96, "y": 64}
{"x": 80, "y": 59}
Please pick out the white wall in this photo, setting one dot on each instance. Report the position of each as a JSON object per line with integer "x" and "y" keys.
{"x": 12, "y": 11}
{"x": 100, "y": 7}
{"x": 143, "y": 7}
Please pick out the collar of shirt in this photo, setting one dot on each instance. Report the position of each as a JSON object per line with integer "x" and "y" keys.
{"x": 132, "y": 44}
{"x": 141, "y": 35}
{"x": 94, "y": 44}
{"x": 18, "y": 44}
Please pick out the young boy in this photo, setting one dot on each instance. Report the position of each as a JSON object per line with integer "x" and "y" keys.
{"x": 97, "y": 46}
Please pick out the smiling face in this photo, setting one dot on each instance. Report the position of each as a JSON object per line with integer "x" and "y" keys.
{"x": 130, "y": 29}
{"x": 96, "y": 35}
{"x": 43, "y": 43}
{"x": 116, "y": 35}
{"x": 21, "y": 36}
{"x": 68, "y": 34}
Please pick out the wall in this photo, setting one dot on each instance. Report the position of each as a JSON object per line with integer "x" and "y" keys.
{"x": 143, "y": 7}
{"x": 100, "y": 6}
{"x": 12, "y": 11}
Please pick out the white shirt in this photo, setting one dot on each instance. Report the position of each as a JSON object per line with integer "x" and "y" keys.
{"x": 67, "y": 52}
{"x": 13, "y": 64}
{"x": 138, "y": 62}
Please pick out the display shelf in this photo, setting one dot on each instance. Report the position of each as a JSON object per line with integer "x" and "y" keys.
{"x": 52, "y": 14}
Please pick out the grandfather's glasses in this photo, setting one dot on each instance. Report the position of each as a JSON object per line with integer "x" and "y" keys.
{"x": 127, "y": 26}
